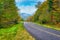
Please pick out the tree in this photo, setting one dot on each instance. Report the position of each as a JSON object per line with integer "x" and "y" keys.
{"x": 48, "y": 13}
{"x": 54, "y": 7}
{"x": 8, "y": 13}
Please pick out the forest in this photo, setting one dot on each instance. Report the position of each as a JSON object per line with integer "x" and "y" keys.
{"x": 48, "y": 13}
{"x": 8, "y": 13}
{"x": 13, "y": 27}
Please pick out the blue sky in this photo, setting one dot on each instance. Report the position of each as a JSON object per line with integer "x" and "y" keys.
{"x": 27, "y": 6}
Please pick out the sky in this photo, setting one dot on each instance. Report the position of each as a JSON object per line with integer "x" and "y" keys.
{"x": 27, "y": 6}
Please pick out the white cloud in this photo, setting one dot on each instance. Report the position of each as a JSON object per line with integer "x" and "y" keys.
{"x": 27, "y": 9}
{"x": 29, "y": 0}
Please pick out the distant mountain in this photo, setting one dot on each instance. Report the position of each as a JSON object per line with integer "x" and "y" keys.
{"x": 25, "y": 15}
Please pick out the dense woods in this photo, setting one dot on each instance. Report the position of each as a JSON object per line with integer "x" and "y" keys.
{"x": 47, "y": 13}
{"x": 8, "y": 13}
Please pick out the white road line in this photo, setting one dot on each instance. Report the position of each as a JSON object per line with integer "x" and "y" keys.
{"x": 46, "y": 31}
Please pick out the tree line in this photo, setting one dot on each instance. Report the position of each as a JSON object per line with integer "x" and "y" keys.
{"x": 47, "y": 13}
{"x": 8, "y": 13}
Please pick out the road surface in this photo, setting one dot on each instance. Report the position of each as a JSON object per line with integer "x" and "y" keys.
{"x": 41, "y": 33}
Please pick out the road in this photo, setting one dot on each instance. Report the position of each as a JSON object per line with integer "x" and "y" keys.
{"x": 41, "y": 33}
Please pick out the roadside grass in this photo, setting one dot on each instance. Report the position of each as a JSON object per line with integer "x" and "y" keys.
{"x": 16, "y": 32}
{"x": 22, "y": 34}
{"x": 8, "y": 33}
{"x": 49, "y": 26}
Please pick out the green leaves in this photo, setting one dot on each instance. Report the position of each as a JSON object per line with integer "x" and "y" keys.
{"x": 48, "y": 12}
{"x": 8, "y": 13}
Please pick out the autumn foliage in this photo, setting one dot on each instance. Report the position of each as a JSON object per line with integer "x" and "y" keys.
{"x": 8, "y": 13}
{"x": 48, "y": 13}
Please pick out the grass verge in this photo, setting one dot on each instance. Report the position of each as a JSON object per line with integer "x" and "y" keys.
{"x": 22, "y": 34}
{"x": 49, "y": 26}
{"x": 8, "y": 33}
{"x": 16, "y": 32}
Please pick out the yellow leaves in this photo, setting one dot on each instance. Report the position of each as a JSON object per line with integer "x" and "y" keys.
{"x": 55, "y": 0}
{"x": 55, "y": 6}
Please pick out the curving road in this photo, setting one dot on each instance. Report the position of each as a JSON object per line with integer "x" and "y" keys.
{"x": 41, "y": 33}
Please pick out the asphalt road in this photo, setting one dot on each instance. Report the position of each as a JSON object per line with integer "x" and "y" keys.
{"x": 41, "y": 33}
